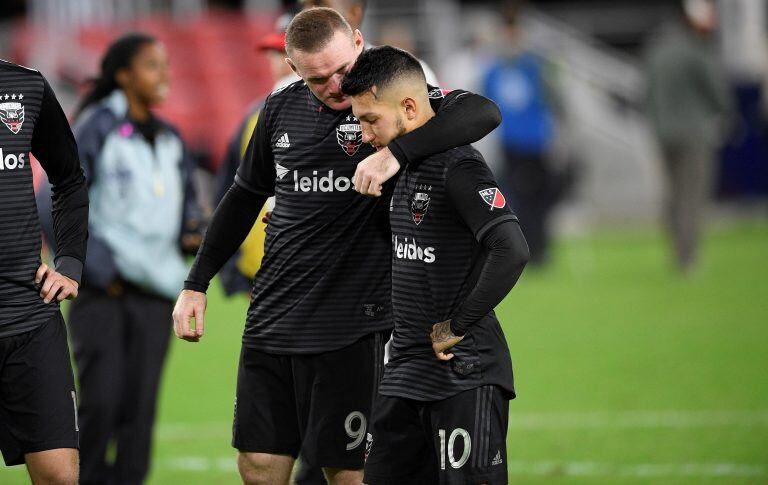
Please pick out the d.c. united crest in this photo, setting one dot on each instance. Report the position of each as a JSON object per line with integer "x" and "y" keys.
{"x": 12, "y": 112}
{"x": 419, "y": 206}
{"x": 350, "y": 135}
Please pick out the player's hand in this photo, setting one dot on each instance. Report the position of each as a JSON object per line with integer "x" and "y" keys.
{"x": 443, "y": 339}
{"x": 191, "y": 304}
{"x": 372, "y": 172}
{"x": 55, "y": 285}
{"x": 267, "y": 217}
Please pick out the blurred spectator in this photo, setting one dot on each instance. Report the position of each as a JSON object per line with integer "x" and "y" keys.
{"x": 516, "y": 82}
{"x": 143, "y": 215}
{"x": 688, "y": 100}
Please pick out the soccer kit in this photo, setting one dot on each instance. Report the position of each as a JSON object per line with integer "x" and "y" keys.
{"x": 445, "y": 421}
{"x": 37, "y": 391}
{"x": 320, "y": 311}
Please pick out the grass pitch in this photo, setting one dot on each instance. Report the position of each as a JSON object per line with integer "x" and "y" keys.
{"x": 626, "y": 372}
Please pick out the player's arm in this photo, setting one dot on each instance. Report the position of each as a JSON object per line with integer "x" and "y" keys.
{"x": 54, "y": 146}
{"x": 461, "y": 118}
{"x": 474, "y": 195}
{"x": 231, "y": 222}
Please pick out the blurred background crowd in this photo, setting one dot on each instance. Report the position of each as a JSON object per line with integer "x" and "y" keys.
{"x": 632, "y": 110}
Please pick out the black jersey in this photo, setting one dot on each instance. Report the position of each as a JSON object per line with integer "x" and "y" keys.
{"x": 32, "y": 121}
{"x": 439, "y": 212}
{"x": 324, "y": 281}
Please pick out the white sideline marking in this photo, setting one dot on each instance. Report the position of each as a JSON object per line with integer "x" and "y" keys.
{"x": 586, "y": 468}
{"x": 637, "y": 419}
{"x": 226, "y": 464}
{"x": 547, "y": 420}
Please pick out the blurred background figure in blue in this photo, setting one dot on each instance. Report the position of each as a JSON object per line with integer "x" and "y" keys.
{"x": 517, "y": 82}
{"x": 688, "y": 105}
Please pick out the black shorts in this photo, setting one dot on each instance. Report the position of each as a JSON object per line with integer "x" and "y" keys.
{"x": 314, "y": 405}
{"x": 459, "y": 440}
{"x": 38, "y": 409}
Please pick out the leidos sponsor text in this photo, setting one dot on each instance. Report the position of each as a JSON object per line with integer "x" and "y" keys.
{"x": 327, "y": 183}
{"x": 10, "y": 161}
{"x": 407, "y": 248}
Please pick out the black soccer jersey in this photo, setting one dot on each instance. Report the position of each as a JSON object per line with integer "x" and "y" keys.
{"x": 32, "y": 121}
{"x": 324, "y": 281}
{"x": 439, "y": 212}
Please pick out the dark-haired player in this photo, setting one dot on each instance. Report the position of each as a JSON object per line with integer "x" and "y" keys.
{"x": 38, "y": 410}
{"x": 320, "y": 309}
{"x": 457, "y": 250}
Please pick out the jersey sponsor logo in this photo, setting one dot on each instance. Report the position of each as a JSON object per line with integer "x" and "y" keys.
{"x": 349, "y": 135}
{"x": 281, "y": 171}
{"x": 408, "y": 249}
{"x": 283, "y": 141}
{"x": 493, "y": 197}
{"x": 11, "y": 161}
{"x": 12, "y": 112}
{"x": 315, "y": 183}
{"x": 419, "y": 206}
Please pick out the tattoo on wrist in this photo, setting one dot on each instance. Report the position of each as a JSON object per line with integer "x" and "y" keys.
{"x": 443, "y": 332}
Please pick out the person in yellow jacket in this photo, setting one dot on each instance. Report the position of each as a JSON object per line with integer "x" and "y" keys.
{"x": 237, "y": 273}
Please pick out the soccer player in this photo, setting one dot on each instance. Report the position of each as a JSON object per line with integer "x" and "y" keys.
{"x": 320, "y": 309}
{"x": 457, "y": 249}
{"x": 38, "y": 415}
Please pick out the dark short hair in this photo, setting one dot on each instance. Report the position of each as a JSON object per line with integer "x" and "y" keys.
{"x": 313, "y": 29}
{"x": 380, "y": 67}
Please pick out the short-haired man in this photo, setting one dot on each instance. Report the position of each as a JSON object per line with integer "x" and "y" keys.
{"x": 320, "y": 307}
{"x": 457, "y": 249}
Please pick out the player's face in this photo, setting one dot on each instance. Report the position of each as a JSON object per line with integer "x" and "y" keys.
{"x": 147, "y": 78}
{"x": 323, "y": 71}
{"x": 380, "y": 119}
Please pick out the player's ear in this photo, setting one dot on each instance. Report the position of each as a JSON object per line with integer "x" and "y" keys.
{"x": 410, "y": 108}
{"x": 292, "y": 65}
{"x": 359, "y": 41}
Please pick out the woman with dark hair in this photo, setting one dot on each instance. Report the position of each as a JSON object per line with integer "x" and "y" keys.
{"x": 144, "y": 217}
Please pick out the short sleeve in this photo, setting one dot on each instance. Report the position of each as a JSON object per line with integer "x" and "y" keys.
{"x": 476, "y": 197}
{"x": 257, "y": 170}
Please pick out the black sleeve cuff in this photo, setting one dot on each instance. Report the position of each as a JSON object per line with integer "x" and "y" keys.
{"x": 191, "y": 285}
{"x": 70, "y": 267}
{"x": 398, "y": 153}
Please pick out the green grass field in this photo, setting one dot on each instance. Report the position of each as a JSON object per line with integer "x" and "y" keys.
{"x": 626, "y": 372}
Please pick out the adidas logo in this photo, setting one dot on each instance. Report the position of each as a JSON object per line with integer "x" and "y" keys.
{"x": 497, "y": 460}
{"x": 283, "y": 142}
